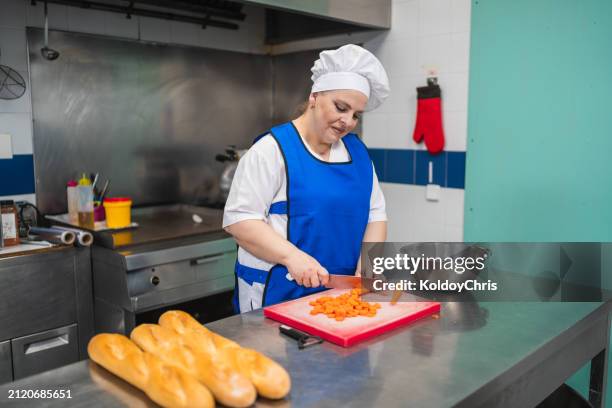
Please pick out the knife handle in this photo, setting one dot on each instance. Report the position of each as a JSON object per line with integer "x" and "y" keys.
{"x": 304, "y": 339}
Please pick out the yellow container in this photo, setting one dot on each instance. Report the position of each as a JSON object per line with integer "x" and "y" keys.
{"x": 118, "y": 212}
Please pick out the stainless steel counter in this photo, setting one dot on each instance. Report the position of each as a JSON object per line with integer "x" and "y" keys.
{"x": 492, "y": 354}
{"x": 162, "y": 223}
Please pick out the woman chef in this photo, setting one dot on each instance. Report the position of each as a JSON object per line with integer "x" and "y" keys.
{"x": 305, "y": 195}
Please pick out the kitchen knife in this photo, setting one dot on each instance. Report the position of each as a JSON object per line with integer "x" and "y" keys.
{"x": 349, "y": 282}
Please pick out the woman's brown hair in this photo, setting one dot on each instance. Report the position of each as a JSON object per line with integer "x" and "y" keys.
{"x": 300, "y": 109}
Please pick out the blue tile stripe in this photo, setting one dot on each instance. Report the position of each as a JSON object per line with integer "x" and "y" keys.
{"x": 17, "y": 175}
{"x": 407, "y": 166}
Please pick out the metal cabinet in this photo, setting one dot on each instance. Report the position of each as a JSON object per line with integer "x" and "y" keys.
{"x": 37, "y": 296}
{"x": 44, "y": 351}
{"x": 46, "y": 310}
{"x": 6, "y": 364}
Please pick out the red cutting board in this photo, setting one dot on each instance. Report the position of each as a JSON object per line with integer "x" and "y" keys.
{"x": 350, "y": 331}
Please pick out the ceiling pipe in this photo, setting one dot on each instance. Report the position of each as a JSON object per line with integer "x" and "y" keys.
{"x": 203, "y": 21}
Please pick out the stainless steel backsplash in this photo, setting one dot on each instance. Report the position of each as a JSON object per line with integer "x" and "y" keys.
{"x": 149, "y": 117}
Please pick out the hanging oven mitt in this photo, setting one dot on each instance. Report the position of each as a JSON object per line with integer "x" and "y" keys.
{"x": 429, "y": 118}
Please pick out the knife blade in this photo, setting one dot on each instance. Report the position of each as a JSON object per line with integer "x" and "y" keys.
{"x": 349, "y": 282}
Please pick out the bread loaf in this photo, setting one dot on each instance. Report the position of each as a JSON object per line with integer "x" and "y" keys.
{"x": 167, "y": 385}
{"x": 183, "y": 323}
{"x": 229, "y": 386}
{"x": 120, "y": 389}
{"x": 270, "y": 379}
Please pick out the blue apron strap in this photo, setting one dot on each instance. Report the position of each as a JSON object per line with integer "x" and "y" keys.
{"x": 250, "y": 275}
{"x": 279, "y": 207}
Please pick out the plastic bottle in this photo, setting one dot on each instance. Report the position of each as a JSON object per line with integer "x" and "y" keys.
{"x": 85, "y": 207}
{"x": 73, "y": 201}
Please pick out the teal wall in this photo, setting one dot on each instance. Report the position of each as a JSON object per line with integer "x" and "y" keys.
{"x": 539, "y": 149}
{"x": 539, "y": 155}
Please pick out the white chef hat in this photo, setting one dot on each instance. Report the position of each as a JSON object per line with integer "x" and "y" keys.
{"x": 351, "y": 67}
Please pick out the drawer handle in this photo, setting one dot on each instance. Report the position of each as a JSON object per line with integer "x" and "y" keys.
{"x": 46, "y": 344}
{"x": 207, "y": 259}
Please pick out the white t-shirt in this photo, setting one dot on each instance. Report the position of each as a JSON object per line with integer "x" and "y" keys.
{"x": 260, "y": 181}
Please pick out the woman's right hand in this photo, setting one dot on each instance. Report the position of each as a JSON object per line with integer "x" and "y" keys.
{"x": 306, "y": 270}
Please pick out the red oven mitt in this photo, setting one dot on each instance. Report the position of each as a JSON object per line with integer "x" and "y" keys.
{"x": 429, "y": 118}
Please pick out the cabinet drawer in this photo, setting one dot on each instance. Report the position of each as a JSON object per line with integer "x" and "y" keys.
{"x": 175, "y": 275}
{"x": 215, "y": 266}
{"x": 43, "y": 351}
{"x": 6, "y": 362}
{"x": 37, "y": 296}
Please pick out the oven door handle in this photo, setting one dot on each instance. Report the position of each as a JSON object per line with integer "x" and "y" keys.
{"x": 207, "y": 259}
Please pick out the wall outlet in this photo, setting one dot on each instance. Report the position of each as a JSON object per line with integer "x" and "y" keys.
{"x": 6, "y": 146}
{"x": 432, "y": 192}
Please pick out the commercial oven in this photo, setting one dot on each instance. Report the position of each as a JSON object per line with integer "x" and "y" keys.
{"x": 177, "y": 257}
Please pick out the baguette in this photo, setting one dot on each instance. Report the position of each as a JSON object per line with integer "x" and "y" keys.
{"x": 120, "y": 389}
{"x": 229, "y": 387}
{"x": 270, "y": 379}
{"x": 166, "y": 385}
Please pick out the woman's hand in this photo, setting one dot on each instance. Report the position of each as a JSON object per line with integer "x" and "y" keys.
{"x": 306, "y": 270}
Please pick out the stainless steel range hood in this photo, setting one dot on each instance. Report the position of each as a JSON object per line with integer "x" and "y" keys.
{"x": 286, "y": 20}
{"x": 374, "y": 14}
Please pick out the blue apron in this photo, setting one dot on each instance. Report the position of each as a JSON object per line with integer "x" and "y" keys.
{"x": 327, "y": 207}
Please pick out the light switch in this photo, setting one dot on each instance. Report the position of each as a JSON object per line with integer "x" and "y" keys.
{"x": 432, "y": 191}
{"x": 6, "y": 146}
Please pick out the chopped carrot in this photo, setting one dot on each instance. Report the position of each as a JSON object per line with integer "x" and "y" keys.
{"x": 343, "y": 306}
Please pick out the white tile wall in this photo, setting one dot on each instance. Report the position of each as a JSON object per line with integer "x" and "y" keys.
{"x": 402, "y": 98}
{"x": 119, "y": 25}
{"x": 404, "y": 20}
{"x": 461, "y": 15}
{"x": 375, "y": 129}
{"x": 425, "y": 35}
{"x": 35, "y": 17}
{"x": 13, "y": 14}
{"x": 453, "y": 207}
{"x": 433, "y": 52}
{"x": 459, "y": 52}
{"x": 21, "y": 197}
{"x": 412, "y": 218}
{"x": 453, "y": 234}
{"x": 184, "y": 33}
{"x": 401, "y": 126}
{"x": 435, "y": 17}
{"x": 22, "y": 104}
{"x": 455, "y": 130}
{"x": 399, "y": 56}
{"x": 152, "y": 29}
{"x": 6, "y": 146}
{"x": 13, "y": 48}
{"x": 19, "y": 126}
{"x": 86, "y": 21}
{"x": 454, "y": 91}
